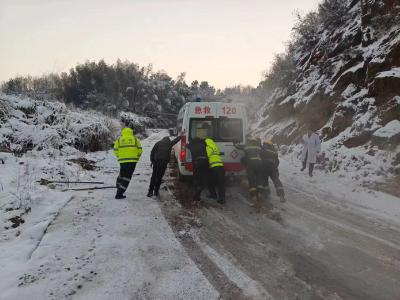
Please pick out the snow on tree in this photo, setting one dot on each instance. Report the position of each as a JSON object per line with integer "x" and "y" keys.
{"x": 99, "y": 86}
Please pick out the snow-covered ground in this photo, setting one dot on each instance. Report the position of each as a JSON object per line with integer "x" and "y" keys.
{"x": 343, "y": 191}
{"x": 87, "y": 245}
{"x": 348, "y": 165}
{"x": 333, "y": 239}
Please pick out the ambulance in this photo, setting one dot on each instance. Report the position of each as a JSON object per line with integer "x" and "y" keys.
{"x": 223, "y": 122}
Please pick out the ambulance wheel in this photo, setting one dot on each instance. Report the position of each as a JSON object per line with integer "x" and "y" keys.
{"x": 184, "y": 178}
{"x": 180, "y": 176}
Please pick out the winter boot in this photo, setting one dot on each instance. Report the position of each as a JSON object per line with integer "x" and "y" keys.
{"x": 253, "y": 199}
{"x": 267, "y": 192}
{"x": 156, "y": 193}
{"x": 150, "y": 194}
{"x": 120, "y": 196}
{"x": 196, "y": 198}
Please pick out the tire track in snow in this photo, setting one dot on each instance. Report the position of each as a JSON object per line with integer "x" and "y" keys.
{"x": 50, "y": 222}
{"x": 324, "y": 217}
{"x": 343, "y": 226}
{"x": 250, "y": 287}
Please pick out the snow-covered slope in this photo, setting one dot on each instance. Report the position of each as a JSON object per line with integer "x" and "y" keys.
{"x": 28, "y": 124}
{"x": 348, "y": 89}
{"x": 42, "y": 139}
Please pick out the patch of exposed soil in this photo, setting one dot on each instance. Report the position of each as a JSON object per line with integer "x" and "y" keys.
{"x": 16, "y": 221}
{"x": 86, "y": 164}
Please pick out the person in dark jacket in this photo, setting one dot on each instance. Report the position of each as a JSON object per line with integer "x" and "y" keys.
{"x": 160, "y": 156}
{"x": 252, "y": 159}
{"x": 197, "y": 148}
{"x": 270, "y": 163}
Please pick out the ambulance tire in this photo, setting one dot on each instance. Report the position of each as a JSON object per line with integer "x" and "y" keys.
{"x": 180, "y": 177}
{"x": 184, "y": 178}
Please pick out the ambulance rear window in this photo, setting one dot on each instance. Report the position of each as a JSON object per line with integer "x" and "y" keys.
{"x": 201, "y": 128}
{"x": 230, "y": 130}
{"x": 220, "y": 130}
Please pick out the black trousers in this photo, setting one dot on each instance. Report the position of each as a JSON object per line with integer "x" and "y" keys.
{"x": 216, "y": 181}
{"x": 273, "y": 173}
{"x": 125, "y": 175}
{"x": 200, "y": 177}
{"x": 159, "y": 167}
{"x": 255, "y": 176}
{"x": 310, "y": 165}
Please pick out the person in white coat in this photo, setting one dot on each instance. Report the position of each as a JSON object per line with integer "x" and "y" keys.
{"x": 311, "y": 147}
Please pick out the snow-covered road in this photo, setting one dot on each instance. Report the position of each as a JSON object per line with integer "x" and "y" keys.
{"x": 333, "y": 241}
{"x": 97, "y": 247}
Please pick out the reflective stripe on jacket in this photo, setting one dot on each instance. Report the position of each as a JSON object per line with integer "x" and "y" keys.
{"x": 214, "y": 157}
{"x": 127, "y": 148}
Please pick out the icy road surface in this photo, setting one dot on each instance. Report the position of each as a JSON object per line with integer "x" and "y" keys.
{"x": 331, "y": 240}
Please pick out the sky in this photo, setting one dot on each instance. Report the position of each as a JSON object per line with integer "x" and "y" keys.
{"x": 226, "y": 42}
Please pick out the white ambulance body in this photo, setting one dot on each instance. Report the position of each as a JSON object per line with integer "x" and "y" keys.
{"x": 223, "y": 122}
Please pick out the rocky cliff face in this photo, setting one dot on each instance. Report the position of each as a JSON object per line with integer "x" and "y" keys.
{"x": 347, "y": 86}
{"x": 352, "y": 75}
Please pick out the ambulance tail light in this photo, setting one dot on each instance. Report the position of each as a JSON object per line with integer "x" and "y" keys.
{"x": 183, "y": 148}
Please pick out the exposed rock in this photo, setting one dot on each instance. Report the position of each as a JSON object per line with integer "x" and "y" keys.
{"x": 375, "y": 8}
{"x": 390, "y": 110}
{"x": 348, "y": 80}
{"x": 388, "y": 56}
{"x": 355, "y": 75}
{"x": 396, "y": 160}
{"x": 385, "y": 86}
{"x": 358, "y": 140}
{"x": 397, "y": 170}
{"x": 317, "y": 111}
{"x": 342, "y": 119}
{"x": 389, "y": 134}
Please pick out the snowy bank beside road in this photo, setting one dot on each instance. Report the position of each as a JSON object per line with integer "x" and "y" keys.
{"x": 341, "y": 191}
{"x": 28, "y": 124}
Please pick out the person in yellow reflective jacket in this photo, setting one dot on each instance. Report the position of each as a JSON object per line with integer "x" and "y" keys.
{"x": 217, "y": 171}
{"x": 127, "y": 149}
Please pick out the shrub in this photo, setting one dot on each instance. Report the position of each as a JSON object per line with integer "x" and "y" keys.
{"x": 332, "y": 13}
